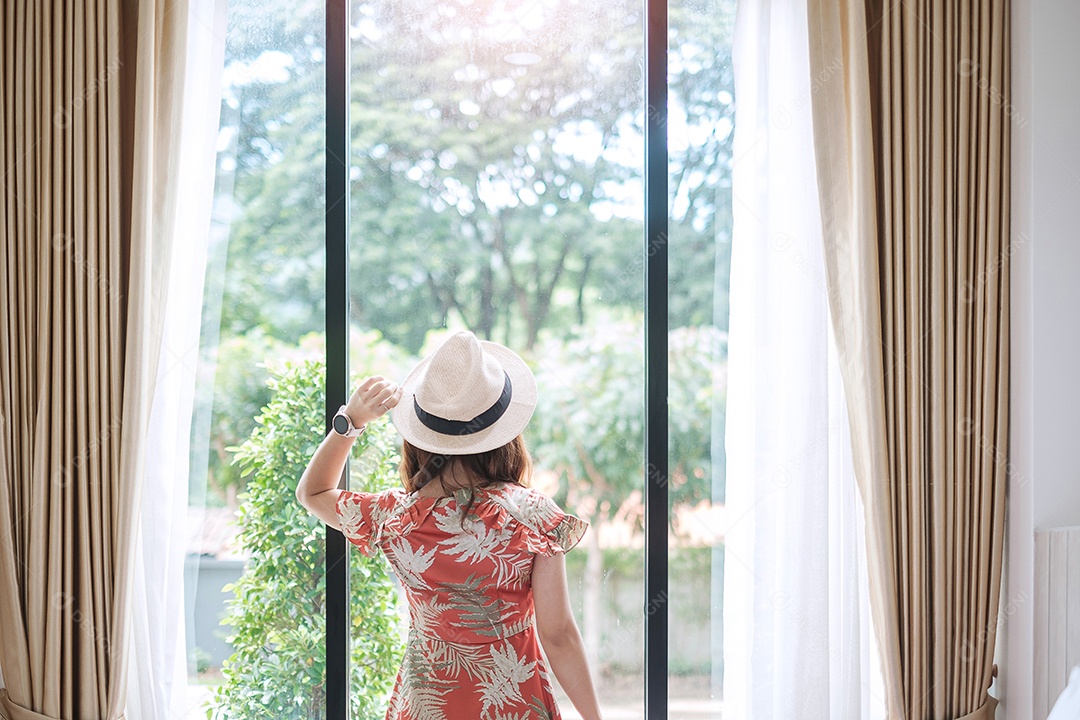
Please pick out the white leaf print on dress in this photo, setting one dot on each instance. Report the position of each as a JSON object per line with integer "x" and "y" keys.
{"x": 411, "y": 564}
{"x": 475, "y": 540}
{"x": 533, "y": 509}
{"x": 503, "y": 685}
{"x": 426, "y": 615}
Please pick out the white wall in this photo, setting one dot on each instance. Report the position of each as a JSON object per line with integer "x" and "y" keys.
{"x": 1044, "y": 488}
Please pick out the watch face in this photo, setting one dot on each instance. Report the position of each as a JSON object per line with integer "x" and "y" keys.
{"x": 341, "y": 424}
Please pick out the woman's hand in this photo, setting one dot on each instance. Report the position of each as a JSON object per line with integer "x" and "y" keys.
{"x": 372, "y": 399}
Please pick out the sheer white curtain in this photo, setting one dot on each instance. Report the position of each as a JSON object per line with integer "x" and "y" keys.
{"x": 797, "y": 639}
{"x": 158, "y": 667}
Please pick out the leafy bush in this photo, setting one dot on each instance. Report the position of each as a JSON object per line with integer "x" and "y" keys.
{"x": 278, "y": 611}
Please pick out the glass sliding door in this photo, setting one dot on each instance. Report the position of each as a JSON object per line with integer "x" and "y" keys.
{"x": 496, "y": 181}
{"x": 254, "y": 581}
{"x": 479, "y": 164}
{"x": 699, "y": 130}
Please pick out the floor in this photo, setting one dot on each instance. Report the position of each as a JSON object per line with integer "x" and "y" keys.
{"x": 678, "y": 709}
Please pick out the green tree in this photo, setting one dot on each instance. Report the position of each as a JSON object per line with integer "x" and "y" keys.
{"x": 479, "y": 178}
{"x": 700, "y": 136}
{"x": 500, "y": 194}
{"x": 278, "y": 611}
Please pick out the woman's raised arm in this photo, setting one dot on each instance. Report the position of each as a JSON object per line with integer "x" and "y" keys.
{"x": 318, "y": 487}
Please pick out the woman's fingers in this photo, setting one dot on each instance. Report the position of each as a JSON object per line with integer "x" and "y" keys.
{"x": 385, "y": 396}
{"x": 393, "y": 396}
{"x": 370, "y": 382}
{"x": 371, "y": 386}
{"x": 366, "y": 388}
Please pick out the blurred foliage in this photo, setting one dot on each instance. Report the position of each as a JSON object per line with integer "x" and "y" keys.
{"x": 278, "y": 610}
{"x": 201, "y": 659}
{"x": 240, "y": 391}
{"x": 500, "y": 195}
{"x": 589, "y": 421}
{"x": 701, "y": 87}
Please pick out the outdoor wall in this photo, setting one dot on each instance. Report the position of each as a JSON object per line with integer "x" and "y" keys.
{"x": 1044, "y": 489}
{"x": 622, "y": 635}
{"x": 204, "y": 579}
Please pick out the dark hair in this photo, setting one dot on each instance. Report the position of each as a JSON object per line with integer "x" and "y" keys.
{"x": 509, "y": 463}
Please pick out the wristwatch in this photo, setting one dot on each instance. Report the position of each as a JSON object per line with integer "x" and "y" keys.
{"x": 343, "y": 425}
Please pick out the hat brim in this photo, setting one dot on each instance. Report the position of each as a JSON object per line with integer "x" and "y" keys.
{"x": 506, "y": 428}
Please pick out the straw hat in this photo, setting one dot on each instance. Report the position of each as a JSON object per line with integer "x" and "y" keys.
{"x": 469, "y": 396}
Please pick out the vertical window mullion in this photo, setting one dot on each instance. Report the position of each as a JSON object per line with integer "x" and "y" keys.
{"x": 337, "y": 337}
{"x": 656, "y": 364}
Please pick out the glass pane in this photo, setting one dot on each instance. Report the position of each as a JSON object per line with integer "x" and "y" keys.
{"x": 497, "y": 186}
{"x": 254, "y": 556}
{"x": 700, "y": 126}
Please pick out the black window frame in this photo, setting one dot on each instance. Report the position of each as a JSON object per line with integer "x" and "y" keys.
{"x": 655, "y": 254}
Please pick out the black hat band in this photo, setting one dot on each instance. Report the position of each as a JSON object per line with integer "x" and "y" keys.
{"x": 467, "y": 427}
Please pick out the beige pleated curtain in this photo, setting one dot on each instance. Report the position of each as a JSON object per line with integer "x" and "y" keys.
{"x": 911, "y": 133}
{"x": 88, "y": 115}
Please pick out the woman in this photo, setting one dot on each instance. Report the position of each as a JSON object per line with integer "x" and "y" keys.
{"x": 479, "y": 554}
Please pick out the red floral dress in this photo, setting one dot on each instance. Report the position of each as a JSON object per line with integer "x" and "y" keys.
{"x": 472, "y": 650}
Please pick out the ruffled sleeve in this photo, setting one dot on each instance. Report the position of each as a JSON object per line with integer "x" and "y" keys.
{"x": 547, "y": 529}
{"x": 363, "y": 516}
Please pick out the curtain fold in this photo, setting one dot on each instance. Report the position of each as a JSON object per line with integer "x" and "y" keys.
{"x": 912, "y": 148}
{"x": 797, "y": 637}
{"x": 89, "y": 108}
